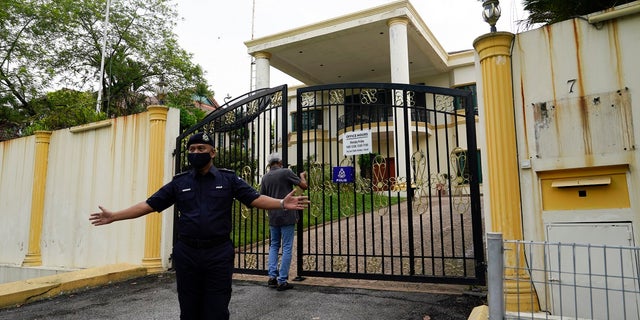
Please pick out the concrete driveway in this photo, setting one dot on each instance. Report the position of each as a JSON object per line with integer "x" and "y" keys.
{"x": 155, "y": 297}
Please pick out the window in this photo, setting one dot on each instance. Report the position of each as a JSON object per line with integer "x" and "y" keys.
{"x": 459, "y": 103}
{"x": 311, "y": 119}
{"x": 380, "y": 108}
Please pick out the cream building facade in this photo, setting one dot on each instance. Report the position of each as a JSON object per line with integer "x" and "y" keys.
{"x": 556, "y": 114}
{"x": 557, "y": 126}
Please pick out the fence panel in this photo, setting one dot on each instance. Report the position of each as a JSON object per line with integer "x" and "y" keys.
{"x": 578, "y": 281}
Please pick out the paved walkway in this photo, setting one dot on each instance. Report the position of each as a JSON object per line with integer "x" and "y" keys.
{"x": 155, "y": 297}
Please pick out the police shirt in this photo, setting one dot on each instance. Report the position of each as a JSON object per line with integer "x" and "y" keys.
{"x": 204, "y": 201}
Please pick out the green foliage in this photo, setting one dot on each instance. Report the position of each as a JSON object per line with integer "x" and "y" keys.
{"x": 53, "y": 44}
{"x": 28, "y": 32}
{"x": 63, "y": 109}
{"x": 552, "y": 11}
{"x": 365, "y": 162}
{"x": 235, "y": 158}
{"x": 334, "y": 205}
{"x": 252, "y": 225}
{"x": 309, "y": 162}
{"x": 183, "y": 100}
{"x": 10, "y": 121}
{"x": 189, "y": 116}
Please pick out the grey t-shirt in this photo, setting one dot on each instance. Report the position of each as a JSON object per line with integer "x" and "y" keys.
{"x": 277, "y": 183}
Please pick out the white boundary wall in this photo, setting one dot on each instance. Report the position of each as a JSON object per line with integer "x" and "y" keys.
{"x": 107, "y": 166}
{"x": 572, "y": 66}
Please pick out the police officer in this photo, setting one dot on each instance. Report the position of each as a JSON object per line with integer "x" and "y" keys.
{"x": 203, "y": 254}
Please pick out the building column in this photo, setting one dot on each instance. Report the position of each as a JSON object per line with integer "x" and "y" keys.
{"x": 494, "y": 51}
{"x": 153, "y": 226}
{"x": 399, "y": 61}
{"x": 262, "y": 69}
{"x": 399, "y": 50}
{"x": 263, "y": 81}
{"x": 34, "y": 255}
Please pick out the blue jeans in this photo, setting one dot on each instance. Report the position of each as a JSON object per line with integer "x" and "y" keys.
{"x": 280, "y": 236}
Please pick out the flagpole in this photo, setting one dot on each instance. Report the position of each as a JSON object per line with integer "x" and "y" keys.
{"x": 252, "y": 65}
{"x": 104, "y": 46}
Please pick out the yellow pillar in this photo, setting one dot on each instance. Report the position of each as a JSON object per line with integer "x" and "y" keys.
{"x": 153, "y": 228}
{"x": 494, "y": 50}
{"x": 34, "y": 256}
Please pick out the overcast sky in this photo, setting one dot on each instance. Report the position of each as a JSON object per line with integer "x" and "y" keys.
{"x": 214, "y": 31}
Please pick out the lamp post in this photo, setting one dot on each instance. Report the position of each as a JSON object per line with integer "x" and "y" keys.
{"x": 491, "y": 12}
{"x": 161, "y": 90}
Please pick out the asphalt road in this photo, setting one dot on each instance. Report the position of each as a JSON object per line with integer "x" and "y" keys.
{"x": 155, "y": 297}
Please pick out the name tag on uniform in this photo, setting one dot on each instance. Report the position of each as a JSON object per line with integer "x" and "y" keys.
{"x": 187, "y": 189}
{"x": 218, "y": 187}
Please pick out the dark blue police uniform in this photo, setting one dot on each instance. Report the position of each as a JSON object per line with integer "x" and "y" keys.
{"x": 203, "y": 254}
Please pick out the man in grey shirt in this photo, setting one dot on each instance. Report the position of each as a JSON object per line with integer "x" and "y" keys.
{"x": 279, "y": 182}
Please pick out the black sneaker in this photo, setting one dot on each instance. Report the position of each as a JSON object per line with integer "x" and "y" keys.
{"x": 284, "y": 286}
{"x": 272, "y": 283}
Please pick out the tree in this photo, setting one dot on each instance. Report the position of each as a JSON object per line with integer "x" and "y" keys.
{"x": 552, "y": 11}
{"x": 47, "y": 44}
{"x": 183, "y": 100}
{"x": 27, "y": 33}
{"x": 62, "y": 109}
{"x": 10, "y": 121}
{"x": 141, "y": 48}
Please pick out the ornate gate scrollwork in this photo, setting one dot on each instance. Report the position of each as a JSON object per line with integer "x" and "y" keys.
{"x": 380, "y": 181}
{"x": 380, "y": 184}
{"x": 247, "y": 175}
{"x": 339, "y": 263}
{"x": 317, "y": 186}
{"x": 346, "y": 203}
{"x": 368, "y": 96}
{"x": 250, "y": 260}
{"x": 420, "y": 183}
{"x": 440, "y": 183}
{"x": 460, "y": 182}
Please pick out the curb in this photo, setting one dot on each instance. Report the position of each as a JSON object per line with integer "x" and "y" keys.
{"x": 26, "y": 291}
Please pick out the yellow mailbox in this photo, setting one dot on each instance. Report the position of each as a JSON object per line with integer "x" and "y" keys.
{"x": 585, "y": 188}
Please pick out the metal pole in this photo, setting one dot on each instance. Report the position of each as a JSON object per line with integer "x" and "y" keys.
{"x": 495, "y": 275}
{"x": 104, "y": 45}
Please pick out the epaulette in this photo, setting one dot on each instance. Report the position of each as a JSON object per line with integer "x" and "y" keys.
{"x": 181, "y": 174}
{"x": 227, "y": 170}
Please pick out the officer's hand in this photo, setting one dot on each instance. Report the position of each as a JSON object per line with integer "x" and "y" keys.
{"x": 292, "y": 202}
{"x": 103, "y": 217}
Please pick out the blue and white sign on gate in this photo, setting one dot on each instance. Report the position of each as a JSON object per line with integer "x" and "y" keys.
{"x": 343, "y": 174}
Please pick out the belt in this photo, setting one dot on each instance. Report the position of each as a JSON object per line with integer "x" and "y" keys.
{"x": 203, "y": 243}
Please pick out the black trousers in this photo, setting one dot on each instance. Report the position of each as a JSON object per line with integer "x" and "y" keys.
{"x": 203, "y": 276}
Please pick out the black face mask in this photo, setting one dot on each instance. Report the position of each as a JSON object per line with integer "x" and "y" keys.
{"x": 199, "y": 160}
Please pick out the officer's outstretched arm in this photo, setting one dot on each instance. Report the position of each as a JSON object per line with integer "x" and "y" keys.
{"x": 106, "y": 216}
{"x": 290, "y": 202}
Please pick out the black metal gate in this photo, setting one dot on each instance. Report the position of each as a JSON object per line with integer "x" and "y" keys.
{"x": 393, "y": 181}
{"x": 393, "y": 184}
{"x": 245, "y": 131}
